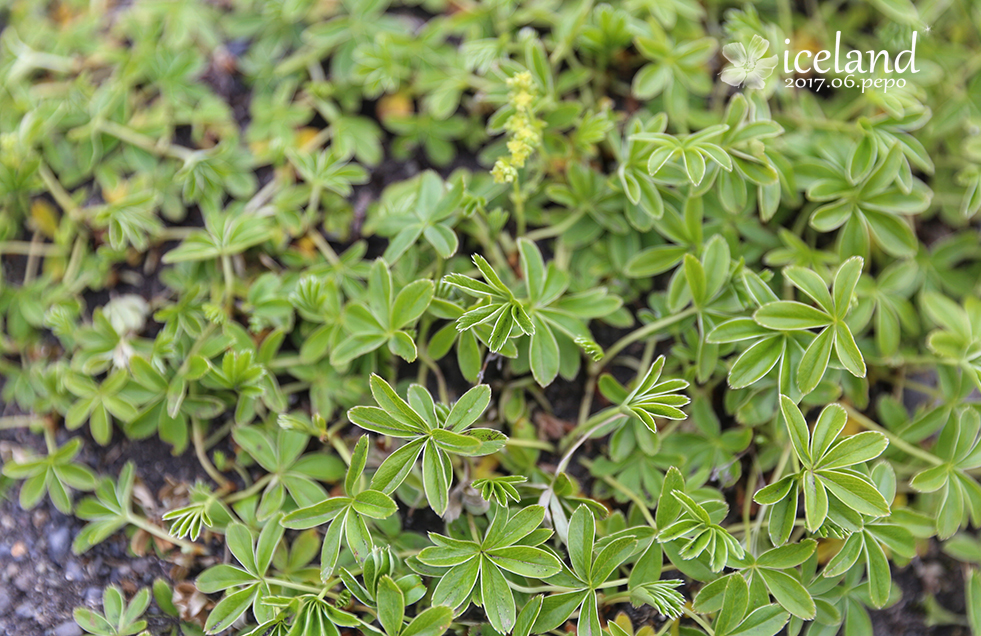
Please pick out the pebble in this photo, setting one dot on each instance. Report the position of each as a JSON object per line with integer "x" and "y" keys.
{"x": 93, "y": 596}
{"x": 25, "y": 610}
{"x": 140, "y": 566}
{"x": 23, "y": 582}
{"x": 18, "y": 550}
{"x": 68, "y": 628}
{"x": 4, "y": 602}
{"x": 73, "y": 571}
{"x": 58, "y": 543}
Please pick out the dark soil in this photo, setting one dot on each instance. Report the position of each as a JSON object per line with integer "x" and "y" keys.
{"x": 42, "y": 580}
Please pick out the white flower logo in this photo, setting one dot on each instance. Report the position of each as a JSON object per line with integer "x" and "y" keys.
{"x": 748, "y": 67}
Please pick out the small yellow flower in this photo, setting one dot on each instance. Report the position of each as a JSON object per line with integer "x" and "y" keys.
{"x": 524, "y": 127}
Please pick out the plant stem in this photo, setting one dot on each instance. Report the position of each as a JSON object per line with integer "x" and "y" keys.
{"x": 555, "y": 230}
{"x": 777, "y": 474}
{"x": 149, "y": 144}
{"x": 592, "y": 421}
{"x": 58, "y": 191}
{"x": 894, "y": 439}
{"x": 324, "y": 247}
{"x": 18, "y": 421}
{"x": 157, "y": 531}
{"x": 251, "y": 490}
{"x": 299, "y": 587}
{"x": 519, "y": 208}
{"x": 285, "y": 362}
{"x": 531, "y": 443}
{"x": 639, "y": 334}
{"x": 642, "y": 505}
{"x": 197, "y": 438}
{"x": 226, "y": 268}
{"x": 564, "y": 462}
{"x": 698, "y": 619}
{"x": 25, "y": 248}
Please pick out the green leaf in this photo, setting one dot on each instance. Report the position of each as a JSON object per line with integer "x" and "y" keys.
{"x": 797, "y": 429}
{"x": 854, "y": 450}
{"x": 695, "y": 275}
{"x": 756, "y": 362}
{"x": 556, "y": 610}
{"x": 815, "y": 501}
{"x": 811, "y": 284}
{"x": 543, "y": 354}
{"x": 790, "y": 315}
{"x": 432, "y": 621}
{"x": 468, "y": 408}
{"x": 230, "y": 608}
{"x": 496, "y": 596}
{"x": 880, "y": 578}
{"x": 581, "y": 536}
{"x": 814, "y": 362}
{"x": 862, "y": 158}
{"x": 396, "y": 466}
{"x": 789, "y": 593}
{"x": 374, "y": 504}
{"x": 764, "y": 621}
{"x": 973, "y": 600}
{"x": 855, "y": 492}
{"x": 411, "y": 302}
{"x": 435, "y": 480}
{"x": 734, "y": 604}
{"x": 525, "y": 561}
{"x": 391, "y": 605}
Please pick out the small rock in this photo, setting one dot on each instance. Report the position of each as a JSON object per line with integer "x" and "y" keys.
{"x": 4, "y": 602}
{"x": 93, "y": 596}
{"x": 73, "y": 571}
{"x": 140, "y": 566}
{"x": 18, "y": 550}
{"x": 25, "y": 610}
{"x": 58, "y": 543}
{"x": 68, "y": 628}
{"x": 23, "y": 582}
{"x": 94, "y": 566}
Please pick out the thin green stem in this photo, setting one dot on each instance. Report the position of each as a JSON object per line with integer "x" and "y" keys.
{"x": 644, "y": 332}
{"x": 130, "y": 136}
{"x": 197, "y": 438}
{"x": 642, "y": 505}
{"x": 25, "y": 248}
{"x": 285, "y": 362}
{"x": 186, "y": 546}
{"x": 324, "y": 247}
{"x": 226, "y": 268}
{"x": 519, "y": 208}
{"x": 698, "y": 619}
{"x": 58, "y": 191}
{"x": 777, "y": 475}
{"x": 564, "y": 462}
{"x": 557, "y": 229}
{"x": 299, "y": 587}
{"x": 19, "y": 421}
{"x": 251, "y": 490}
{"x": 894, "y": 439}
{"x": 530, "y": 443}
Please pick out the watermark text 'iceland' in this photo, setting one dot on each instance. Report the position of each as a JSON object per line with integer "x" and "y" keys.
{"x": 853, "y": 63}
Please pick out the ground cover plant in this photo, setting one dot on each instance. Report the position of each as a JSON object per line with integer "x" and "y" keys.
{"x": 492, "y": 316}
